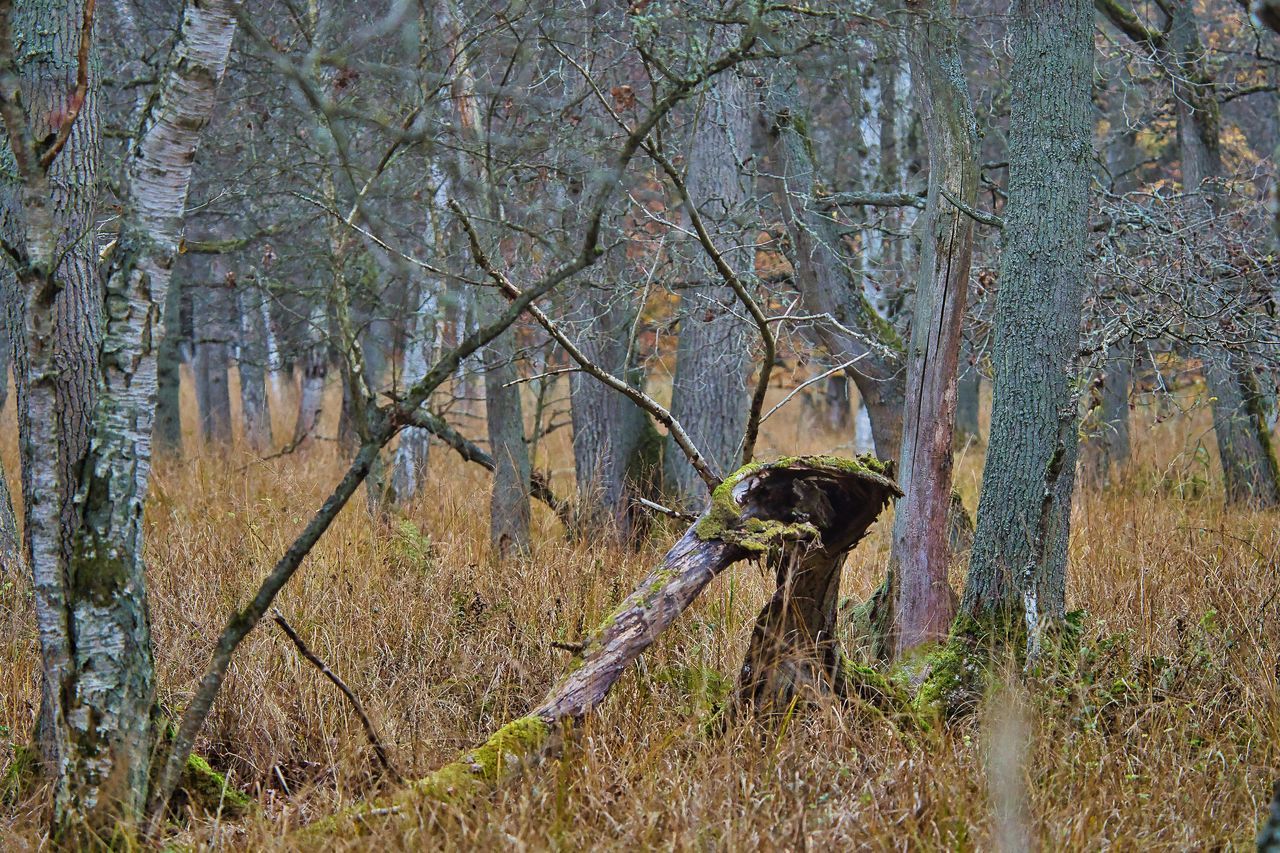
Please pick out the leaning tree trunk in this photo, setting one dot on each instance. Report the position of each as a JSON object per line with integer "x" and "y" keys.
{"x": 1020, "y": 546}
{"x": 806, "y": 513}
{"x": 920, "y": 555}
{"x": 10, "y": 541}
{"x": 709, "y": 392}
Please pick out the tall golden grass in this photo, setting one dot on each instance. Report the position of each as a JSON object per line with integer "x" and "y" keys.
{"x": 1165, "y": 734}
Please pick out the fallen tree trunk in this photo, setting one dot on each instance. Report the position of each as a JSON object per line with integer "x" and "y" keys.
{"x": 803, "y": 514}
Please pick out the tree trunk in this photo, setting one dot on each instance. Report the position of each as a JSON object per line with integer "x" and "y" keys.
{"x": 709, "y": 394}
{"x": 606, "y": 425}
{"x": 91, "y": 604}
{"x": 920, "y": 555}
{"x": 1024, "y": 513}
{"x": 167, "y": 436}
{"x": 314, "y": 370}
{"x": 214, "y": 310}
{"x": 835, "y": 400}
{"x": 252, "y": 365}
{"x": 1108, "y": 450}
{"x": 509, "y": 501}
{"x": 409, "y": 469}
{"x": 820, "y": 274}
{"x": 807, "y": 504}
{"x": 1249, "y": 465}
{"x": 968, "y": 399}
{"x": 10, "y": 541}
{"x": 794, "y": 645}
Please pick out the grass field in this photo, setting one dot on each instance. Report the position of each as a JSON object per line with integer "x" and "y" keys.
{"x": 1163, "y": 734}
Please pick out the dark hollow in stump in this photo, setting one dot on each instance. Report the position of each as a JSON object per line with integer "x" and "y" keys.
{"x": 804, "y": 513}
{"x": 794, "y": 645}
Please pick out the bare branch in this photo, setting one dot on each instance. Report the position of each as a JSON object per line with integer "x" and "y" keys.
{"x": 374, "y": 741}
{"x": 641, "y": 399}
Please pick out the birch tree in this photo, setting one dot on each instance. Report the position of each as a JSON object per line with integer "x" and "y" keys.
{"x": 91, "y": 602}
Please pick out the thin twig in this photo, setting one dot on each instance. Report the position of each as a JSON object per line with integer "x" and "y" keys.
{"x": 640, "y": 398}
{"x": 319, "y": 664}
{"x": 666, "y": 510}
{"x": 803, "y": 385}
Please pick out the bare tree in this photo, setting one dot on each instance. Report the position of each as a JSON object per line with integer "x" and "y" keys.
{"x": 1019, "y": 551}
{"x": 918, "y": 563}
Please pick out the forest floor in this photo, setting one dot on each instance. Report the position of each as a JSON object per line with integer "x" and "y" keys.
{"x": 1163, "y": 734}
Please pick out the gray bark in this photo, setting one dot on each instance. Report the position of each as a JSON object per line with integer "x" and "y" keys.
{"x": 10, "y": 541}
{"x": 90, "y": 585}
{"x": 313, "y": 371}
{"x": 920, "y": 555}
{"x": 826, "y": 286}
{"x": 215, "y": 333}
{"x": 1020, "y": 546}
{"x": 167, "y": 435}
{"x": 606, "y": 425}
{"x": 409, "y": 469}
{"x": 1249, "y": 466}
{"x": 252, "y": 366}
{"x": 709, "y": 392}
{"x": 509, "y": 510}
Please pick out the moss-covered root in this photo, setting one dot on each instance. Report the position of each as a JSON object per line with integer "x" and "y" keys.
{"x": 474, "y": 772}
{"x": 952, "y": 677}
{"x": 207, "y": 790}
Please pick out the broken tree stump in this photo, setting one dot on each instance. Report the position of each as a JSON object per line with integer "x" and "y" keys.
{"x": 803, "y": 514}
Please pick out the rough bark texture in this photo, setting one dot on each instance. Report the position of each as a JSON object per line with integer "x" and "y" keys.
{"x": 107, "y": 684}
{"x": 251, "y": 363}
{"x": 821, "y": 275}
{"x": 920, "y": 554}
{"x": 794, "y": 644}
{"x": 709, "y": 392}
{"x": 607, "y": 427}
{"x": 509, "y": 510}
{"x": 59, "y": 334}
{"x": 1249, "y": 464}
{"x": 10, "y": 541}
{"x": 1020, "y": 547}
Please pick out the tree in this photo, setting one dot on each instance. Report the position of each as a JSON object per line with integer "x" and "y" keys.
{"x": 97, "y": 734}
{"x": 918, "y": 563}
{"x": 1019, "y": 553}
{"x": 1249, "y": 464}
{"x": 709, "y": 391}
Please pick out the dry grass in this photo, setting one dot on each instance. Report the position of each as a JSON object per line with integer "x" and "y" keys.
{"x": 1167, "y": 735}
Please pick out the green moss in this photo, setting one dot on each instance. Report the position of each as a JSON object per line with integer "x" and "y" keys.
{"x": 207, "y": 790}
{"x": 723, "y": 520}
{"x": 19, "y": 775}
{"x": 953, "y": 675}
{"x": 486, "y": 765}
